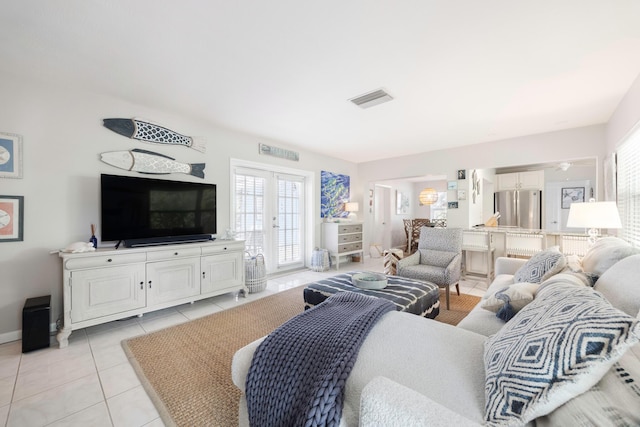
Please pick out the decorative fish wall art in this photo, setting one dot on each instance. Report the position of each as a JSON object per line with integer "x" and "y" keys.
{"x": 144, "y": 161}
{"x": 155, "y": 134}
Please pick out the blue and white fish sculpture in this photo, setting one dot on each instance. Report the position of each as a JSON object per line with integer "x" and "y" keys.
{"x": 155, "y": 134}
{"x": 144, "y": 161}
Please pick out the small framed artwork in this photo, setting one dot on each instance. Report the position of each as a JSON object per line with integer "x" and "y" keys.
{"x": 452, "y": 205}
{"x": 10, "y": 155}
{"x": 462, "y": 194}
{"x": 571, "y": 195}
{"x": 452, "y": 185}
{"x": 402, "y": 203}
{"x": 11, "y": 218}
{"x": 462, "y": 174}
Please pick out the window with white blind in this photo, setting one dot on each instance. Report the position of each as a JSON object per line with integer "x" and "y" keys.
{"x": 628, "y": 186}
{"x": 249, "y": 213}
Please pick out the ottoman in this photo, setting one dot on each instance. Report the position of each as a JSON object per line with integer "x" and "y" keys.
{"x": 410, "y": 295}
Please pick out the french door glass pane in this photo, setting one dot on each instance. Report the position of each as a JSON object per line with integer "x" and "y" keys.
{"x": 289, "y": 235}
{"x": 249, "y": 217}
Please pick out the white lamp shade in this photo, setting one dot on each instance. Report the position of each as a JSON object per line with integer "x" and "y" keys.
{"x": 594, "y": 215}
{"x": 351, "y": 207}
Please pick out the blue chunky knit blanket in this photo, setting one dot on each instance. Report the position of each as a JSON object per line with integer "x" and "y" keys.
{"x": 298, "y": 372}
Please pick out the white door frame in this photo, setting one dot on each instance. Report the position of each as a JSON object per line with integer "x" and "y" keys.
{"x": 308, "y": 234}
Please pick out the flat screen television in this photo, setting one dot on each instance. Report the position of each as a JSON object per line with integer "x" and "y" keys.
{"x": 147, "y": 211}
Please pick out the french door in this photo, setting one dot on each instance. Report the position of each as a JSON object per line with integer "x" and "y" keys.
{"x": 269, "y": 216}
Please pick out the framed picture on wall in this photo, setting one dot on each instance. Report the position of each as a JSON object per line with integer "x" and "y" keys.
{"x": 452, "y": 205}
{"x": 10, "y": 155}
{"x": 462, "y": 174}
{"x": 452, "y": 185}
{"x": 571, "y": 195}
{"x": 11, "y": 218}
{"x": 402, "y": 203}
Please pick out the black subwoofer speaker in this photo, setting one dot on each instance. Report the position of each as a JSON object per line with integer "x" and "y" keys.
{"x": 36, "y": 316}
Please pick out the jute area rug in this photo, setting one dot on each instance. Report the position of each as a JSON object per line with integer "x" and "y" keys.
{"x": 186, "y": 369}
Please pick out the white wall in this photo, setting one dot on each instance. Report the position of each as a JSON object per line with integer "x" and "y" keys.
{"x": 542, "y": 148}
{"x": 63, "y": 136}
{"x": 626, "y": 116}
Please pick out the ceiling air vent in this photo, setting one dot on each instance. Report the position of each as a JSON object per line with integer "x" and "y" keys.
{"x": 372, "y": 98}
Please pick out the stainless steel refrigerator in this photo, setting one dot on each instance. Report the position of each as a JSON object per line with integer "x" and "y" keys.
{"x": 519, "y": 208}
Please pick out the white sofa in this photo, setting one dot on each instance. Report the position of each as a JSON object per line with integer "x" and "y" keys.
{"x": 415, "y": 371}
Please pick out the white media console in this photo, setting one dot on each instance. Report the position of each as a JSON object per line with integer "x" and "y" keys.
{"x": 110, "y": 284}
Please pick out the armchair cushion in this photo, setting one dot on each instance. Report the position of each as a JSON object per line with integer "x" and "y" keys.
{"x": 437, "y": 258}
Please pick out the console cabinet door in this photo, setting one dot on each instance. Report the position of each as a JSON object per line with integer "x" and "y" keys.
{"x": 172, "y": 280}
{"x": 222, "y": 271}
{"x": 104, "y": 291}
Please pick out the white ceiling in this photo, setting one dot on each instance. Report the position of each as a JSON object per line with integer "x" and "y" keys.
{"x": 461, "y": 71}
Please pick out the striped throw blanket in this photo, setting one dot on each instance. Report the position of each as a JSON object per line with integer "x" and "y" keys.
{"x": 298, "y": 372}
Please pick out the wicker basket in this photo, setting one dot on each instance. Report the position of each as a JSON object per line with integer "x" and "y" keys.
{"x": 255, "y": 273}
{"x": 320, "y": 260}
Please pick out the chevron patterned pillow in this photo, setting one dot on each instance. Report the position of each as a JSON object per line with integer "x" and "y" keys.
{"x": 541, "y": 266}
{"x": 555, "y": 348}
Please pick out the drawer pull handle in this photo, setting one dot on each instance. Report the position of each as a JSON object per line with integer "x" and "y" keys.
{"x": 176, "y": 253}
{"x": 149, "y": 284}
{"x": 203, "y": 275}
{"x": 109, "y": 260}
{"x": 225, "y": 249}
{"x": 141, "y": 286}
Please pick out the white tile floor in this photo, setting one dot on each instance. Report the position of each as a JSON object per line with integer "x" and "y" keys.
{"x": 91, "y": 381}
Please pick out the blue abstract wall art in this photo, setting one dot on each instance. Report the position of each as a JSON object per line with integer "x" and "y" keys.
{"x": 334, "y": 193}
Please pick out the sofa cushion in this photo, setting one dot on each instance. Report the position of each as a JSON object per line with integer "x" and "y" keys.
{"x": 541, "y": 266}
{"x": 555, "y": 348}
{"x": 620, "y": 285}
{"x": 604, "y": 253}
{"x": 438, "y": 258}
{"x": 513, "y": 297}
{"x": 613, "y": 402}
{"x": 415, "y": 352}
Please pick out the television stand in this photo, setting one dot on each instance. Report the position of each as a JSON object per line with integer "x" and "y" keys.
{"x": 110, "y": 284}
{"x": 167, "y": 240}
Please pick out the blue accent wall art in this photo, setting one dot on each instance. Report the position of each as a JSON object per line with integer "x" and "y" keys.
{"x": 334, "y": 193}
{"x": 10, "y": 155}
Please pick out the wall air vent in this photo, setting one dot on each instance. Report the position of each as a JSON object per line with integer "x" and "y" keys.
{"x": 372, "y": 98}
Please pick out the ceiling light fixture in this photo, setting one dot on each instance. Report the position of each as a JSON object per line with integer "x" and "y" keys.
{"x": 372, "y": 98}
{"x": 564, "y": 166}
{"x": 428, "y": 196}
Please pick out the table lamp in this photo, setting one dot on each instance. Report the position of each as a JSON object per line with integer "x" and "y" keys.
{"x": 352, "y": 208}
{"x": 594, "y": 215}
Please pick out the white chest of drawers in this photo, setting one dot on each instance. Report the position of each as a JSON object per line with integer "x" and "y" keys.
{"x": 342, "y": 239}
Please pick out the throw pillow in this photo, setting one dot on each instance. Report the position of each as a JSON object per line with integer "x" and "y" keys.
{"x": 541, "y": 266}
{"x": 555, "y": 348}
{"x": 508, "y": 301}
{"x": 605, "y": 253}
{"x": 613, "y": 402}
{"x": 574, "y": 267}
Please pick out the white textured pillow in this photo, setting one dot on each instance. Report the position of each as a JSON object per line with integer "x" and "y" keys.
{"x": 604, "y": 253}
{"x": 613, "y": 402}
{"x": 541, "y": 266}
{"x": 557, "y": 347}
{"x": 518, "y": 295}
{"x": 574, "y": 267}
